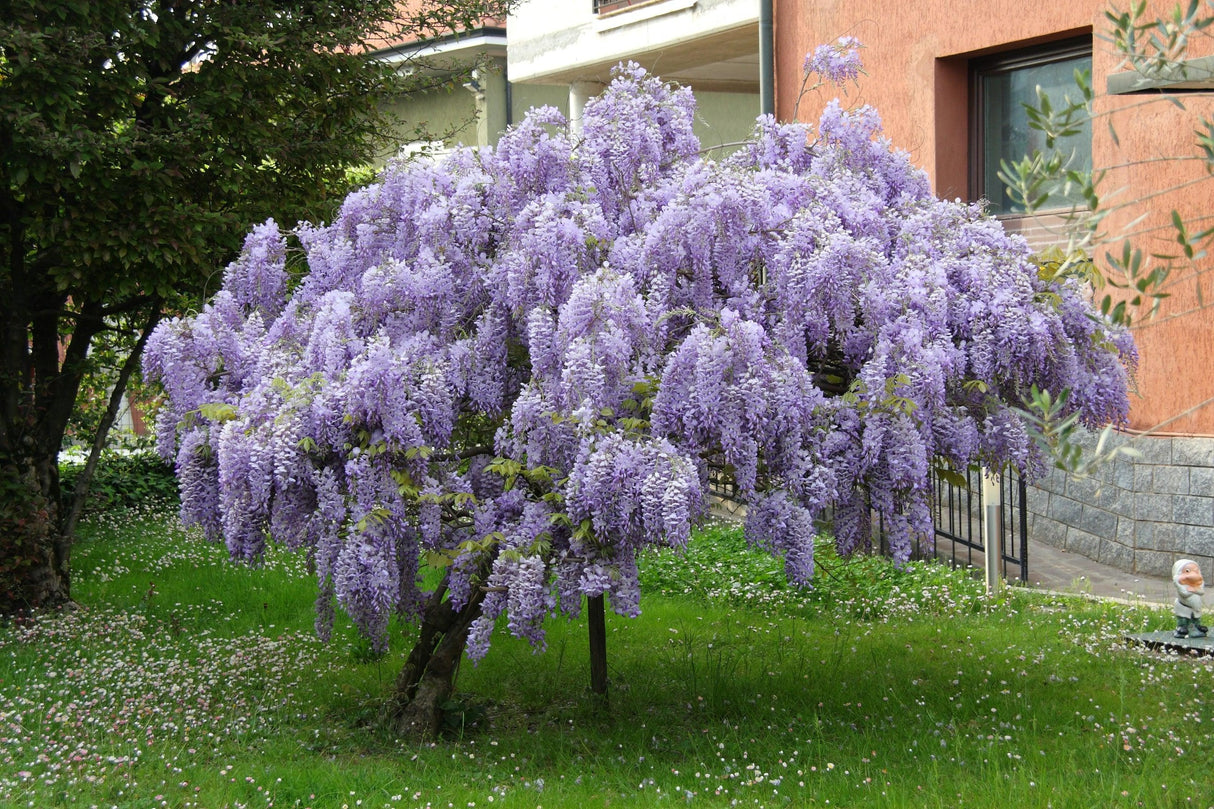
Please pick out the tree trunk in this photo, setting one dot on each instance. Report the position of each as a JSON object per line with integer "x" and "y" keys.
{"x": 84, "y": 481}
{"x": 39, "y": 378}
{"x": 34, "y": 554}
{"x": 427, "y": 681}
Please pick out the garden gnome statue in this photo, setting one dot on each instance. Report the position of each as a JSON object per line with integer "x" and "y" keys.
{"x": 1186, "y": 575}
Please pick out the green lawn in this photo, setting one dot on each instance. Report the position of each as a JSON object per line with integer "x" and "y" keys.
{"x": 185, "y": 680}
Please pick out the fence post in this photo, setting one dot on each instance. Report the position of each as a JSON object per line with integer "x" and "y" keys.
{"x": 992, "y": 527}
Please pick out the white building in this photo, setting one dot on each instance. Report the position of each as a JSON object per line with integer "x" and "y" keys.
{"x": 460, "y": 109}
{"x": 711, "y": 46}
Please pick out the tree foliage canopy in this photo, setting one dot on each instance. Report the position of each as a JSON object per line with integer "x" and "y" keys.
{"x": 139, "y": 139}
{"x": 523, "y": 365}
{"x": 146, "y": 135}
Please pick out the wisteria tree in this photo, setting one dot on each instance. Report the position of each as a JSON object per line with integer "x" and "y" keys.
{"x": 520, "y": 367}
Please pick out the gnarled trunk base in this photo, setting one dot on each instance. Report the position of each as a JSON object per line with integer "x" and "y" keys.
{"x": 427, "y": 681}
{"x": 34, "y": 555}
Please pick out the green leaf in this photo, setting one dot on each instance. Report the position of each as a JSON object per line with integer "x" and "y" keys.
{"x": 437, "y": 559}
{"x": 217, "y": 412}
{"x": 952, "y": 477}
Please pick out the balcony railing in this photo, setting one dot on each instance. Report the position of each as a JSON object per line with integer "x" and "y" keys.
{"x": 607, "y": 6}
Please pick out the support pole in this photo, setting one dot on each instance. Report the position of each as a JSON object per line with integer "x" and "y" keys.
{"x": 767, "y": 59}
{"x": 596, "y": 620}
{"x": 992, "y": 527}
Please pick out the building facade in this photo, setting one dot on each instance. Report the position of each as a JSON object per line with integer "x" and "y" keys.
{"x": 710, "y": 46}
{"x": 467, "y": 98}
{"x": 560, "y": 53}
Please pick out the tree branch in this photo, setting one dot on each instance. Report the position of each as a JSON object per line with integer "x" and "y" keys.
{"x": 85, "y": 479}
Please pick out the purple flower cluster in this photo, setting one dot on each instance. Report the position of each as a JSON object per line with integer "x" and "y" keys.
{"x": 836, "y": 63}
{"x": 525, "y": 363}
{"x": 258, "y": 278}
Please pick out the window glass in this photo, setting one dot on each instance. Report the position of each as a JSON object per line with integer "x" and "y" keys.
{"x": 1004, "y": 87}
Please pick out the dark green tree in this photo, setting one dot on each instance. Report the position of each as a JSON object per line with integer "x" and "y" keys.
{"x": 139, "y": 139}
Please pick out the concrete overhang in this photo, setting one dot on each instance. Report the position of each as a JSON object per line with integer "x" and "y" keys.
{"x": 488, "y": 41}
{"x": 708, "y": 45}
{"x": 726, "y": 61}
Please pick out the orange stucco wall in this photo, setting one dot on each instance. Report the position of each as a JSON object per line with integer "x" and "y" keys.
{"x": 916, "y": 58}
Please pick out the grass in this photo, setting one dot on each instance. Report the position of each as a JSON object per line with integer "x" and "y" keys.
{"x": 186, "y": 681}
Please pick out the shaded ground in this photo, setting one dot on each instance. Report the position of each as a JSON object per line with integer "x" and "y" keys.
{"x": 1055, "y": 569}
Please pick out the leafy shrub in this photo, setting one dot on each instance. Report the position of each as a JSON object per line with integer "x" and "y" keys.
{"x": 869, "y": 587}
{"x": 719, "y": 567}
{"x": 124, "y": 479}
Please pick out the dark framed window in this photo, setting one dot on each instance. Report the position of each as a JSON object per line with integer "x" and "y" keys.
{"x": 1000, "y": 87}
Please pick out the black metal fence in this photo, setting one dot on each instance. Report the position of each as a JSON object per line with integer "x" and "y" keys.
{"x": 956, "y": 513}
{"x": 957, "y": 516}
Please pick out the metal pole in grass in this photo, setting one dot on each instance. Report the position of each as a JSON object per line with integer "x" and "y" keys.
{"x": 992, "y": 527}
{"x": 598, "y": 644}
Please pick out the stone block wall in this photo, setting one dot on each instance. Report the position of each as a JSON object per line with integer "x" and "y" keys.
{"x": 1139, "y": 514}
